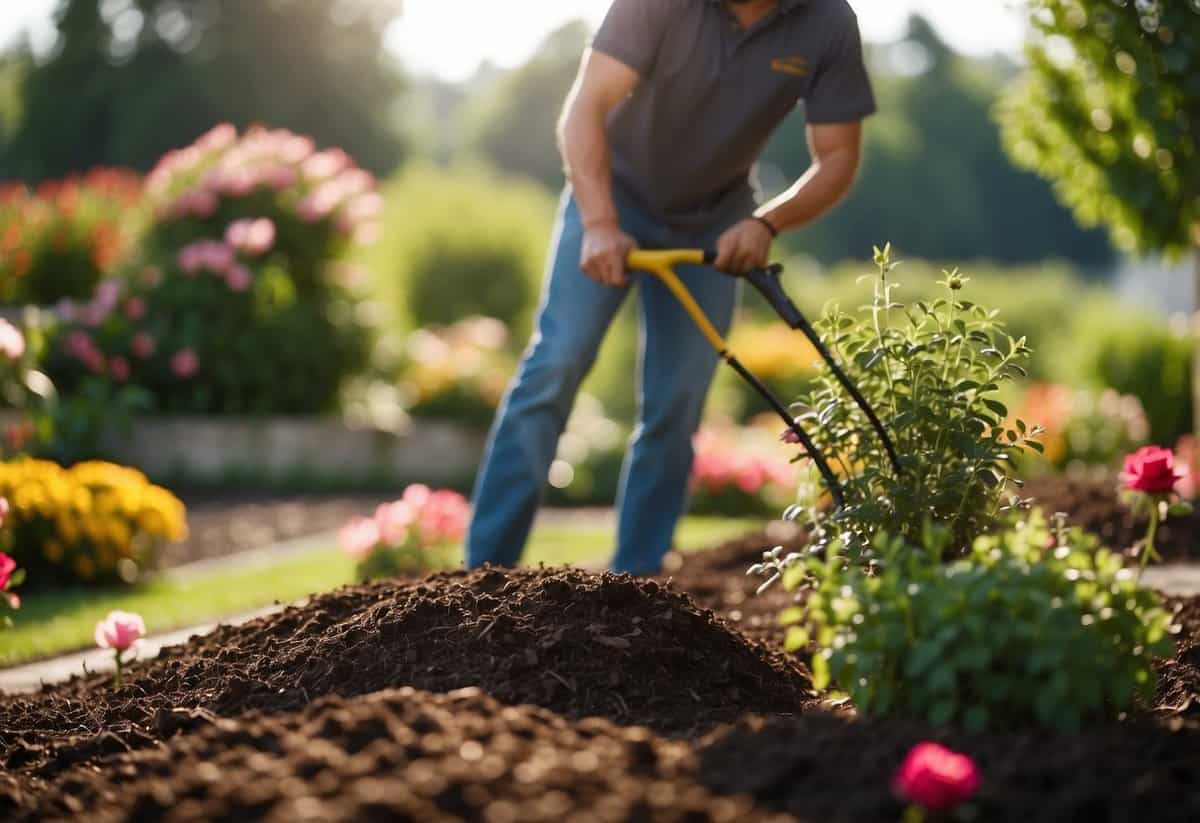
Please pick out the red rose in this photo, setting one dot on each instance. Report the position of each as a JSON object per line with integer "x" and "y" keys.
{"x": 7, "y": 567}
{"x": 936, "y": 778}
{"x": 1151, "y": 469}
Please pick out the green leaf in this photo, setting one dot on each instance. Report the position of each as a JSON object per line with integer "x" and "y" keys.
{"x": 797, "y": 639}
{"x": 1180, "y": 508}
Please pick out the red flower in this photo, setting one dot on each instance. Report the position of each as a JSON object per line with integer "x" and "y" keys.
{"x": 7, "y": 567}
{"x": 936, "y": 778}
{"x": 1151, "y": 469}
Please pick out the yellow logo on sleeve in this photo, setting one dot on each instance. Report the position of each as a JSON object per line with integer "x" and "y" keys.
{"x": 795, "y": 66}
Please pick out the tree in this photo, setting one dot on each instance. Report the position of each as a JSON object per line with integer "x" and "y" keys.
{"x": 1110, "y": 110}
{"x": 129, "y": 79}
{"x": 934, "y": 175}
{"x": 513, "y": 123}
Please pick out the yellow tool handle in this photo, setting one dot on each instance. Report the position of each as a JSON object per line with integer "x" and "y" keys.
{"x": 662, "y": 265}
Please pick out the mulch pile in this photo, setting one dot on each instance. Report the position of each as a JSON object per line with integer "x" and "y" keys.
{"x": 506, "y": 696}
{"x": 1094, "y": 504}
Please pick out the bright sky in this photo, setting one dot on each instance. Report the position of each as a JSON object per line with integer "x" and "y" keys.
{"x": 451, "y": 37}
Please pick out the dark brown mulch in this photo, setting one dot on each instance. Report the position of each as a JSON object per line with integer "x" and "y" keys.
{"x": 579, "y": 644}
{"x": 1094, "y": 504}
{"x": 401, "y": 755}
{"x": 298, "y": 717}
{"x": 223, "y": 524}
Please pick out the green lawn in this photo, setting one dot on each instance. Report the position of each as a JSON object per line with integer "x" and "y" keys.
{"x": 58, "y": 622}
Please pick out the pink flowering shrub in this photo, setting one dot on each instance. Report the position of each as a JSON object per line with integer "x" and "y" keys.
{"x": 411, "y": 535}
{"x": 739, "y": 471}
{"x": 232, "y": 308}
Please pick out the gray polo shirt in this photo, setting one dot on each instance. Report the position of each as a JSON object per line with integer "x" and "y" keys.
{"x": 684, "y": 144}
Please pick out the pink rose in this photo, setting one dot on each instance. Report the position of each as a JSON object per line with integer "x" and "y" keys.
{"x": 120, "y": 631}
{"x": 142, "y": 345}
{"x": 120, "y": 369}
{"x": 135, "y": 308}
{"x": 185, "y": 363}
{"x": 12, "y": 342}
{"x": 936, "y": 778}
{"x": 1151, "y": 470}
{"x": 7, "y": 567}
{"x": 359, "y": 537}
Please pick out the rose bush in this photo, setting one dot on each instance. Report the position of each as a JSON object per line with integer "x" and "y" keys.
{"x": 236, "y": 305}
{"x": 91, "y": 523}
{"x": 60, "y": 240}
{"x": 408, "y": 536}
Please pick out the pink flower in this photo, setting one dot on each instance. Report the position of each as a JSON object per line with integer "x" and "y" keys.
{"x": 1151, "y": 470}
{"x": 7, "y": 567}
{"x": 416, "y": 495}
{"x": 394, "y": 521}
{"x": 326, "y": 164}
{"x": 185, "y": 363}
{"x": 359, "y": 537}
{"x": 12, "y": 342}
{"x": 135, "y": 308}
{"x": 217, "y": 257}
{"x": 218, "y": 138}
{"x": 5, "y": 508}
{"x": 321, "y": 202}
{"x": 443, "y": 518}
{"x": 120, "y": 369}
{"x": 750, "y": 477}
{"x": 107, "y": 295}
{"x": 255, "y": 237}
{"x": 142, "y": 345}
{"x": 190, "y": 259}
{"x": 120, "y": 631}
{"x": 238, "y": 278}
{"x": 936, "y": 778}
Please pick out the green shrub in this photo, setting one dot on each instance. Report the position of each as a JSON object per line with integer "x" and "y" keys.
{"x": 932, "y": 371}
{"x": 1028, "y": 630}
{"x": 1141, "y": 355}
{"x": 1046, "y": 322}
{"x": 460, "y": 243}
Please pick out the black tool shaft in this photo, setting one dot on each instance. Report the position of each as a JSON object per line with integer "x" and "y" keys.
{"x": 835, "y": 487}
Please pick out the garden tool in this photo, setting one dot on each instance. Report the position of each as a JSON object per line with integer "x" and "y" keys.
{"x": 662, "y": 265}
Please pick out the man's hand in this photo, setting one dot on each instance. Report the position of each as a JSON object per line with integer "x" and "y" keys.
{"x": 605, "y": 248}
{"x": 744, "y": 247}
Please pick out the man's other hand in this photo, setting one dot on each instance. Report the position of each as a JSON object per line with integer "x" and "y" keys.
{"x": 605, "y": 248}
{"x": 744, "y": 247}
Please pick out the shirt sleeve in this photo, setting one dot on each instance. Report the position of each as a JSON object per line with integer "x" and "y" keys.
{"x": 841, "y": 91}
{"x": 632, "y": 31}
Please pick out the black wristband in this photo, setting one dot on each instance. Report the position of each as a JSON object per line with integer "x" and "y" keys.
{"x": 770, "y": 226}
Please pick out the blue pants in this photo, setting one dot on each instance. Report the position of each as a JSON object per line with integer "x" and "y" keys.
{"x": 676, "y": 366}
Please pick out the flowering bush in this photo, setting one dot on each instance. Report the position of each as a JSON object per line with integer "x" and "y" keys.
{"x": 120, "y": 631}
{"x": 456, "y": 372}
{"x": 1082, "y": 426}
{"x": 738, "y": 471}
{"x": 62, "y": 239}
{"x": 932, "y": 372}
{"x": 408, "y": 536}
{"x": 1149, "y": 484}
{"x": 1034, "y": 627}
{"x": 93, "y": 522}
{"x": 235, "y": 308}
{"x": 935, "y": 778}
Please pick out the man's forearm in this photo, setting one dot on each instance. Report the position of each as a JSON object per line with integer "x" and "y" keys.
{"x": 583, "y": 143}
{"x": 824, "y": 184}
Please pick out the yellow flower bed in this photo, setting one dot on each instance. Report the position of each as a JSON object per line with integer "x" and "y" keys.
{"x": 93, "y": 522}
